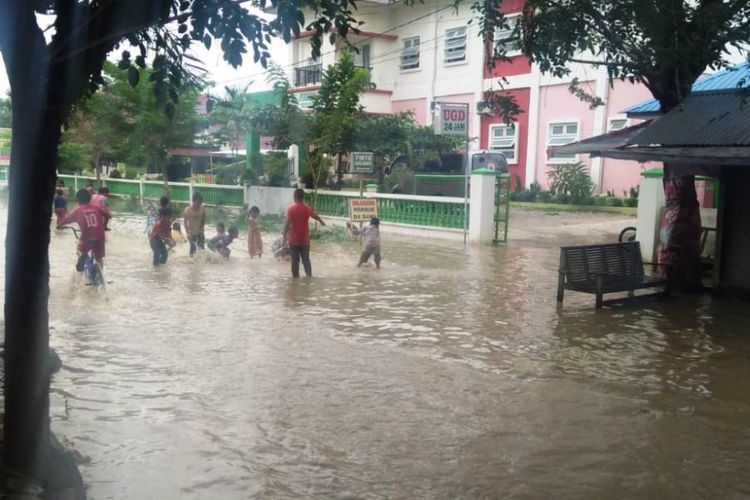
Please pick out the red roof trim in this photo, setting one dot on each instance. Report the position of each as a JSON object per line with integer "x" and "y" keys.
{"x": 311, "y": 88}
{"x": 305, "y": 89}
{"x": 369, "y": 34}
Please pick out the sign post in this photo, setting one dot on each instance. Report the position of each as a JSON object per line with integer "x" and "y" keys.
{"x": 453, "y": 119}
{"x": 362, "y": 209}
{"x": 362, "y": 163}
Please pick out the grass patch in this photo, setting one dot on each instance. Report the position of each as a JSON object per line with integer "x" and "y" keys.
{"x": 560, "y": 207}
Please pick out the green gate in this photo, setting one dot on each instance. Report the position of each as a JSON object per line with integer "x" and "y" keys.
{"x": 502, "y": 208}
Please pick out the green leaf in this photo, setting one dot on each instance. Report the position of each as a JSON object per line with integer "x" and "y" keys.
{"x": 134, "y": 76}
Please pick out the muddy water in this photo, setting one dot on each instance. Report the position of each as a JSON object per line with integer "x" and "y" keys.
{"x": 447, "y": 374}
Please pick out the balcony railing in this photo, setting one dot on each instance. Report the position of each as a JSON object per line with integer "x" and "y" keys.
{"x": 313, "y": 74}
{"x": 308, "y": 75}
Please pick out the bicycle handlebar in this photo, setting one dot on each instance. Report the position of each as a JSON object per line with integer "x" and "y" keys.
{"x": 75, "y": 231}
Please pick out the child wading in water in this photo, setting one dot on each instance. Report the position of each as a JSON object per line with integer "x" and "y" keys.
{"x": 254, "y": 241}
{"x": 371, "y": 239}
{"x": 160, "y": 237}
{"x": 61, "y": 206}
{"x": 220, "y": 243}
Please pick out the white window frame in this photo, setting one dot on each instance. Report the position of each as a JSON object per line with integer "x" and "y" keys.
{"x": 557, "y": 139}
{"x": 505, "y": 137}
{"x": 617, "y": 119}
{"x": 411, "y": 52}
{"x": 451, "y": 35}
{"x": 505, "y": 36}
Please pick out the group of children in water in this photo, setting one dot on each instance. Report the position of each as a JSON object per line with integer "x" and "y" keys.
{"x": 165, "y": 233}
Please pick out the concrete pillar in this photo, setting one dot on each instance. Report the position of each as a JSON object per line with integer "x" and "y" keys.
{"x": 650, "y": 205}
{"x": 482, "y": 207}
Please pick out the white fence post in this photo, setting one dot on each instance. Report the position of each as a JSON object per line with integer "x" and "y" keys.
{"x": 190, "y": 191}
{"x": 140, "y": 190}
{"x": 482, "y": 209}
{"x": 75, "y": 182}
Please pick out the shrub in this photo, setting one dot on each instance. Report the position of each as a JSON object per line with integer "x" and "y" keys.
{"x": 401, "y": 179}
{"x": 630, "y": 202}
{"x": 319, "y": 169}
{"x": 276, "y": 169}
{"x": 115, "y": 174}
{"x": 570, "y": 182}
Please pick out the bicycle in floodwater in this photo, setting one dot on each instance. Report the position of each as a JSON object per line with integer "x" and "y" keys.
{"x": 87, "y": 263}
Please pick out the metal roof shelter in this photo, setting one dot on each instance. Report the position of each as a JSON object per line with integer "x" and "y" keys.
{"x": 709, "y": 133}
{"x": 707, "y": 128}
{"x": 732, "y": 78}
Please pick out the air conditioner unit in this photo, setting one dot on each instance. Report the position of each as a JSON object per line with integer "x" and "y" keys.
{"x": 483, "y": 108}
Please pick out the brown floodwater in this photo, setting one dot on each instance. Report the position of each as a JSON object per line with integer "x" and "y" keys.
{"x": 447, "y": 374}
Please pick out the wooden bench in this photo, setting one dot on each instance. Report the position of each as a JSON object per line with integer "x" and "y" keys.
{"x": 608, "y": 268}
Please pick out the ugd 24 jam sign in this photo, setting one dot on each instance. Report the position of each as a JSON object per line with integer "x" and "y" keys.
{"x": 454, "y": 119}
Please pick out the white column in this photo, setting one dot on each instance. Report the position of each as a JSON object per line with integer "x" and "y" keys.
{"x": 533, "y": 132}
{"x": 482, "y": 208}
{"x": 600, "y": 127}
{"x": 650, "y": 204}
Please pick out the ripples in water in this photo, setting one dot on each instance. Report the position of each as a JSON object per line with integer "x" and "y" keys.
{"x": 447, "y": 374}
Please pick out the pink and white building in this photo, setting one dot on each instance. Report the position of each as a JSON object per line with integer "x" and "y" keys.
{"x": 429, "y": 53}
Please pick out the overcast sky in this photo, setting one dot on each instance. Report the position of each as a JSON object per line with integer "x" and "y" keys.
{"x": 217, "y": 70}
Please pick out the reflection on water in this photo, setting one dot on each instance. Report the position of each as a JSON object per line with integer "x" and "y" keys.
{"x": 447, "y": 374}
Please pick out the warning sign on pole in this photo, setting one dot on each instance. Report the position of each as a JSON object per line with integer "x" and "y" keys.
{"x": 362, "y": 209}
{"x": 452, "y": 119}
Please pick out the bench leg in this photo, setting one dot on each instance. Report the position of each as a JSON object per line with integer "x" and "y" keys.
{"x": 599, "y": 292}
{"x": 560, "y": 287}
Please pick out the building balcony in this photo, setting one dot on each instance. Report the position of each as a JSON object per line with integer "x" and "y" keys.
{"x": 308, "y": 76}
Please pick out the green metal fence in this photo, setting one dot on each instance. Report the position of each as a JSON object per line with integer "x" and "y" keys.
{"x": 224, "y": 195}
{"x": 124, "y": 188}
{"x": 417, "y": 210}
{"x": 230, "y": 196}
{"x": 439, "y": 212}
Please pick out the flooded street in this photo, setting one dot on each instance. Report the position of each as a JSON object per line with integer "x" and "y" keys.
{"x": 447, "y": 374}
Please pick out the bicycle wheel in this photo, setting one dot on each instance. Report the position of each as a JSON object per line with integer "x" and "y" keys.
{"x": 627, "y": 234}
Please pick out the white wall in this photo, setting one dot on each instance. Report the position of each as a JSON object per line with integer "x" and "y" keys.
{"x": 270, "y": 200}
{"x": 433, "y": 77}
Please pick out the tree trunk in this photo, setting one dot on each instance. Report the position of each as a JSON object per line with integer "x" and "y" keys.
{"x": 681, "y": 232}
{"x": 36, "y": 134}
{"x": 164, "y": 170}
{"x": 97, "y": 169}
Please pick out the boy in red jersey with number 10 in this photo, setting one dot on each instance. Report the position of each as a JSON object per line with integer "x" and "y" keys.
{"x": 91, "y": 219}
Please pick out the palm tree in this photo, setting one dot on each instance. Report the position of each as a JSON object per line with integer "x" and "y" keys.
{"x": 231, "y": 111}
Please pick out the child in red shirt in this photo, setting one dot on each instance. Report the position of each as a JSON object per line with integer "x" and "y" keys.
{"x": 91, "y": 219}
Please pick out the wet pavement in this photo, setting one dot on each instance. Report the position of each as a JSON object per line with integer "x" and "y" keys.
{"x": 447, "y": 374}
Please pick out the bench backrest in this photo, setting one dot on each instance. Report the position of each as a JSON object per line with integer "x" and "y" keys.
{"x": 615, "y": 260}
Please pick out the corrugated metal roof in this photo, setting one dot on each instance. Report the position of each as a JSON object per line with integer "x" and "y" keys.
{"x": 720, "y": 118}
{"x": 729, "y": 79}
{"x": 612, "y": 140}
